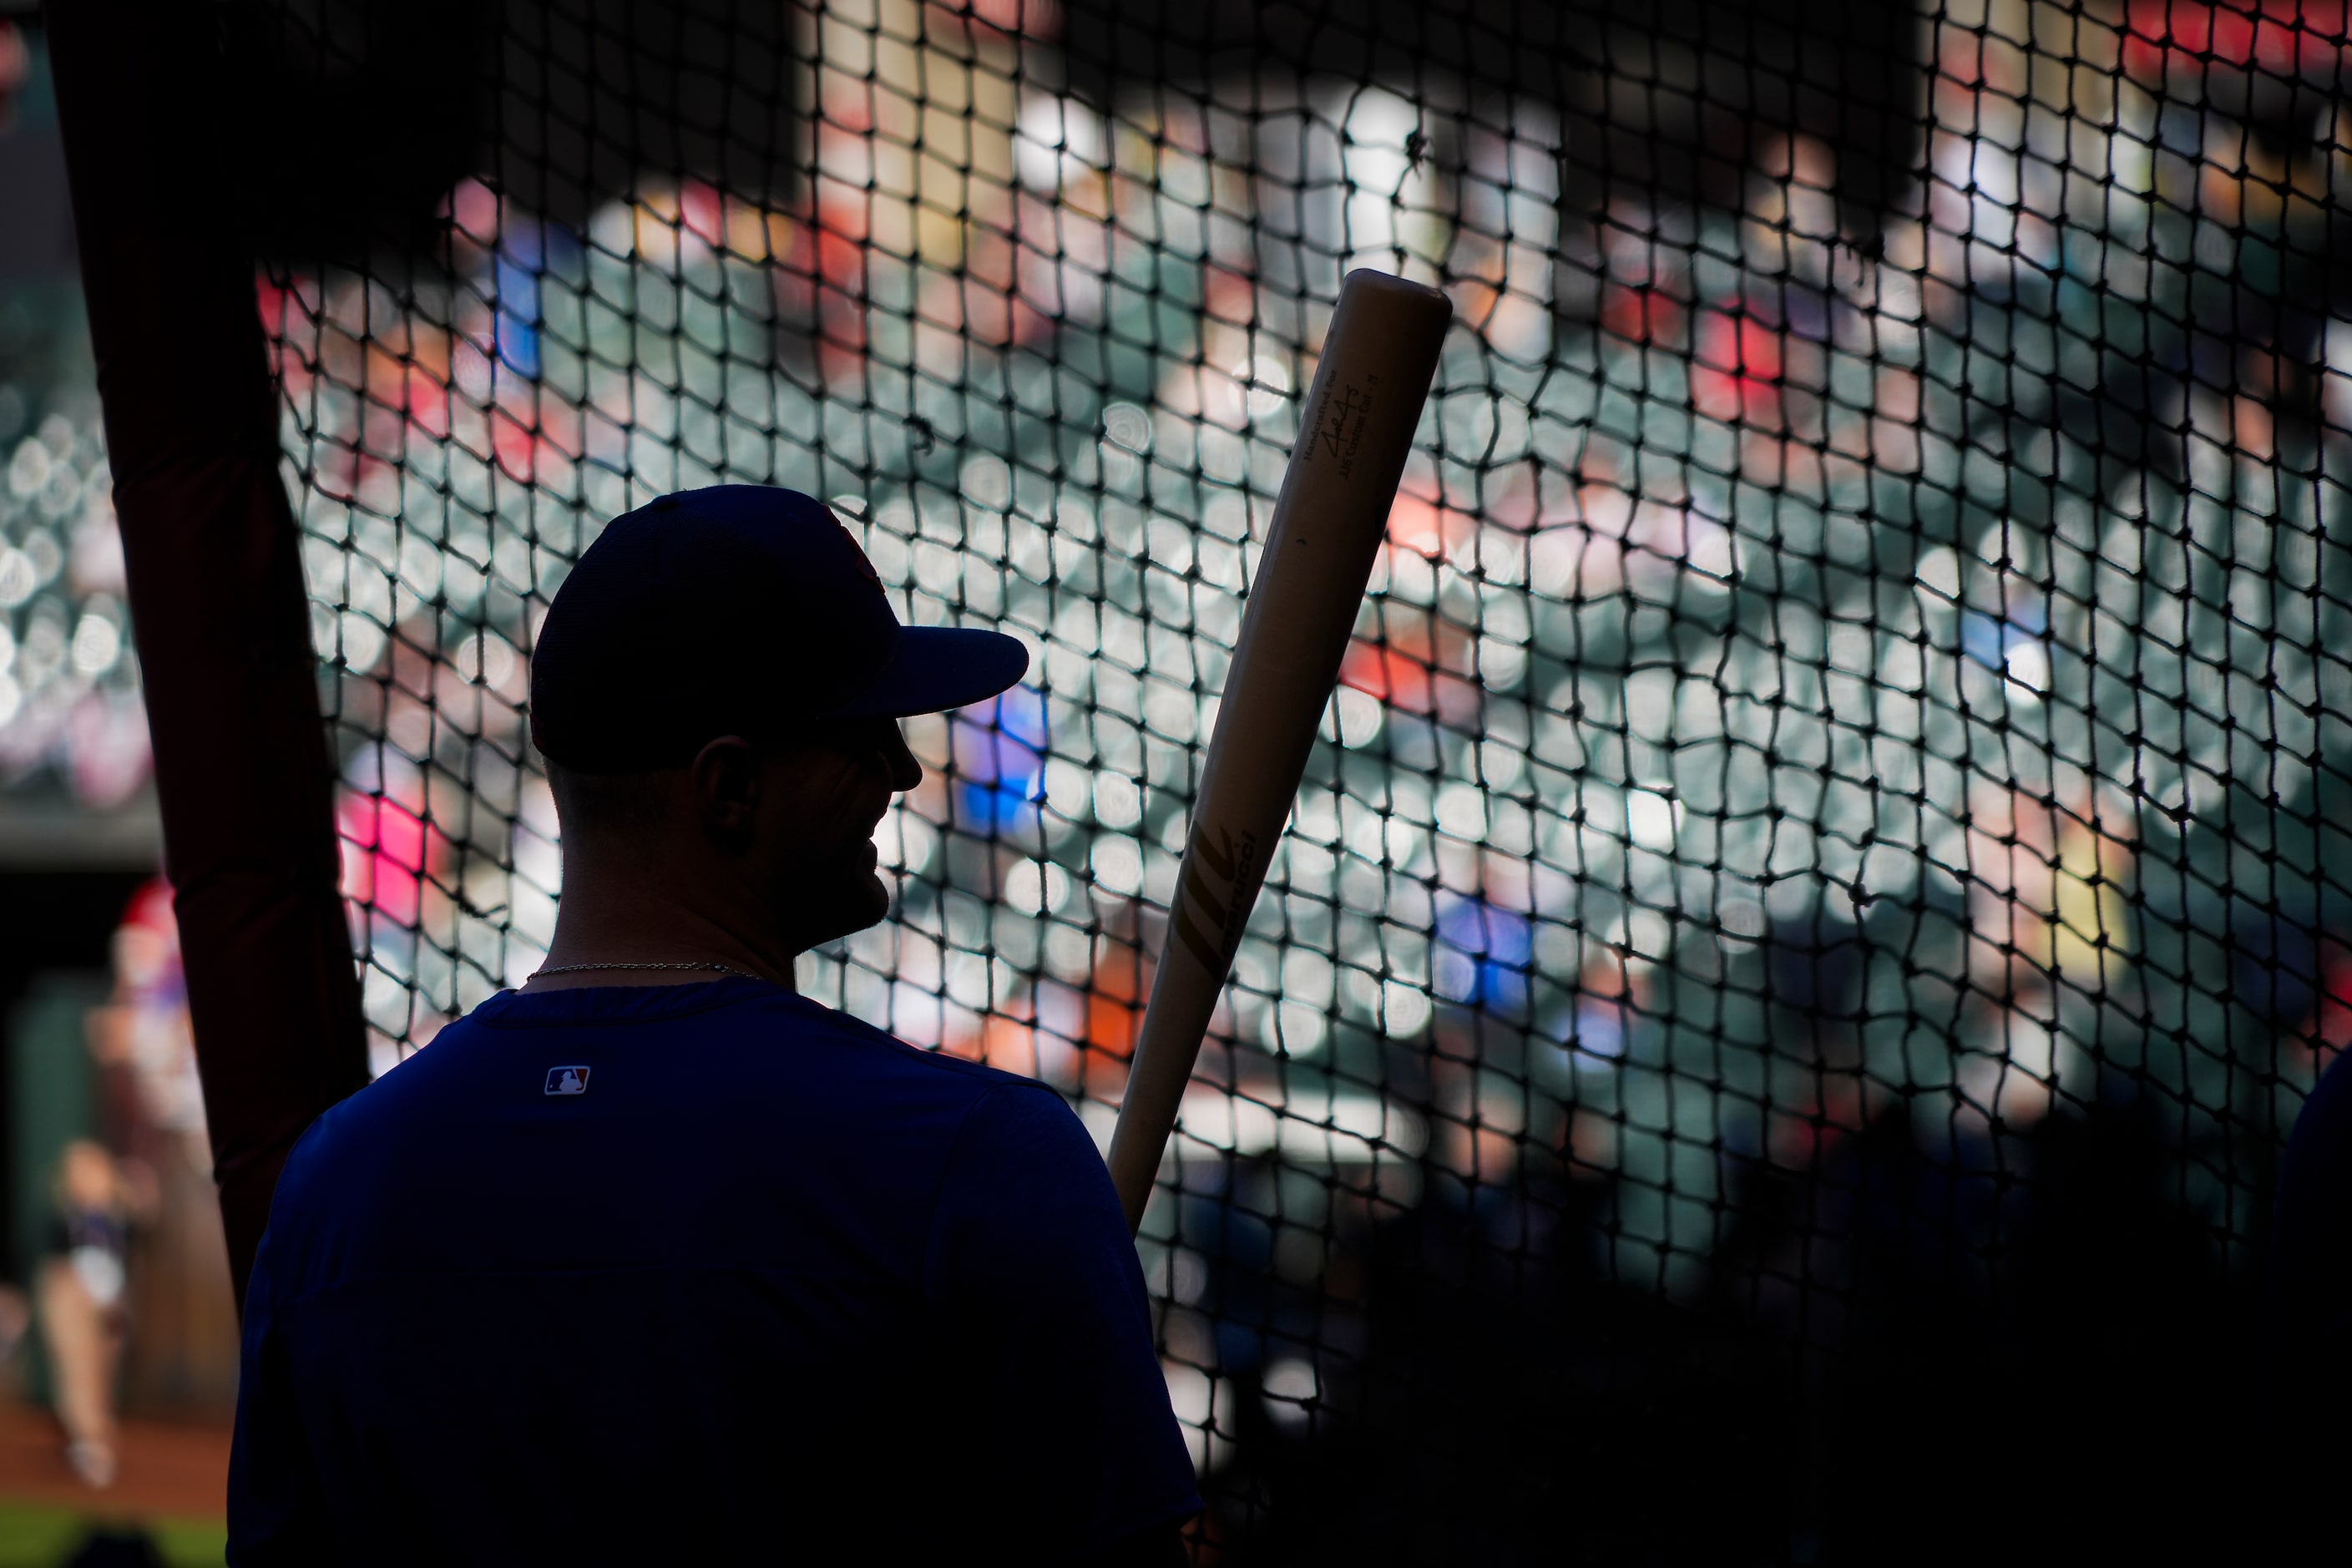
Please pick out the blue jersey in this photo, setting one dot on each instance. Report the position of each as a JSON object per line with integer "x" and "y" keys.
{"x": 700, "y": 1273}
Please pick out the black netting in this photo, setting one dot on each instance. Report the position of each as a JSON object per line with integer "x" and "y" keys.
{"x": 1825, "y": 886}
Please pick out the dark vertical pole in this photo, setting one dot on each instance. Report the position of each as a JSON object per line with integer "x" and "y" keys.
{"x": 215, "y": 585}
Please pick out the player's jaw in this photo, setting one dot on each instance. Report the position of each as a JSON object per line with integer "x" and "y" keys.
{"x": 832, "y": 886}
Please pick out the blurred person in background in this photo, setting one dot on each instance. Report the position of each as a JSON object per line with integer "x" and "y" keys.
{"x": 15, "y": 1319}
{"x": 2049, "y": 932}
{"x": 143, "y": 1029}
{"x": 82, "y": 1288}
{"x": 153, "y": 1113}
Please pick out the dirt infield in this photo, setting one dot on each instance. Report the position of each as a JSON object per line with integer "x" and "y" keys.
{"x": 168, "y": 1471}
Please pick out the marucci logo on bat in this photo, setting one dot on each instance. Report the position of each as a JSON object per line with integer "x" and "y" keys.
{"x": 1234, "y": 864}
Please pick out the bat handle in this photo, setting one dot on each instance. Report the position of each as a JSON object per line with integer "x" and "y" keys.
{"x": 1146, "y": 1112}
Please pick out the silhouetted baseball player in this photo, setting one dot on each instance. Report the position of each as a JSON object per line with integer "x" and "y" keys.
{"x": 654, "y": 1260}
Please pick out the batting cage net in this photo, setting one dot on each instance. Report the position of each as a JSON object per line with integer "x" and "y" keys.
{"x": 1824, "y": 884}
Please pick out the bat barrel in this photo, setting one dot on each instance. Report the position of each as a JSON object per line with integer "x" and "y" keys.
{"x": 1356, "y": 431}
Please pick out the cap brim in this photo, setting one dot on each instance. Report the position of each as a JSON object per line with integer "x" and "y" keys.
{"x": 933, "y": 668}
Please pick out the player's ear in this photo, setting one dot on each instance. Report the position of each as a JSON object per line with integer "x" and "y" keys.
{"x": 725, "y": 775}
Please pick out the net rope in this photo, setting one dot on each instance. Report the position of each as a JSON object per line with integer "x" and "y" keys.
{"x": 1825, "y": 872}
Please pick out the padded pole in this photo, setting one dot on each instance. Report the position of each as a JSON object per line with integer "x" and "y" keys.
{"x": 217, "y": 601}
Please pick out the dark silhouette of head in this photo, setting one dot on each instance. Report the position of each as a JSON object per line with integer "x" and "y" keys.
{"x": 717, "y": 690}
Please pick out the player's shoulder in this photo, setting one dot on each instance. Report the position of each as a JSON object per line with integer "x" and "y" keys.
{"x": 965, "y": 1076}
{"x": 975, "y": 1107}
{"x": 995, "y": 1111}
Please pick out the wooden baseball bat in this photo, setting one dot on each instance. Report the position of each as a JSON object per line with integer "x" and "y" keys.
{"x": 1354, "y": 433}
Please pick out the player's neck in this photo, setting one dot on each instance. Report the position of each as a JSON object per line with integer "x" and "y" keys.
{"x": 599, "y": 923}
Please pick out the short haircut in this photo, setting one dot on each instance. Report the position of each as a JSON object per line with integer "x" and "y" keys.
{"x": 593, "y": 804}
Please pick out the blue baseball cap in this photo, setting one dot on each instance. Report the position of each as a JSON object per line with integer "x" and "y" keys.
{"x": 737, "y": 610}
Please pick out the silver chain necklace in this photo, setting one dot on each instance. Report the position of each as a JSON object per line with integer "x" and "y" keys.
{"x": 701, "y": 963}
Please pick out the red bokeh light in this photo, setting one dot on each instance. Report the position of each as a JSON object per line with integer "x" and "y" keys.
{"x": 389, "y": 850}
{"x": 2277, "y": 38}
{"x": 1735, "y": 368}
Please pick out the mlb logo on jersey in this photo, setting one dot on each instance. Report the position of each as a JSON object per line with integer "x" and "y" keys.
{"x": 567, "y": 1081}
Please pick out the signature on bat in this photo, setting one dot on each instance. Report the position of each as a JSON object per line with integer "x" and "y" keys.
{"x": 1338, "y": 429}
